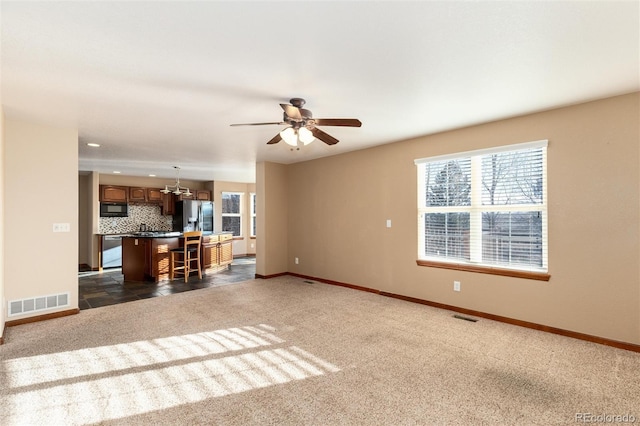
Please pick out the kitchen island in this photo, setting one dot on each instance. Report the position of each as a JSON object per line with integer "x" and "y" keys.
{"x": 145, "y": 255}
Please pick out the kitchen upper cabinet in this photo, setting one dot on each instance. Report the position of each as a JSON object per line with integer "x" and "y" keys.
{"x": 137, "y": 194}
{"x": 114, "y": 194}
{"x": 124, "y": 194}
{"x": 154, "y": 195}
{"x": 182, "y": 196}
{"x": 168, "y": 204}
{"x": 203, "y": 195}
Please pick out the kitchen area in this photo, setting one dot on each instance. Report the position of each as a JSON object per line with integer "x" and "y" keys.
{"x": 128, "y": 225}
{"x": 115, "y": 207}
{"x": 139, "y": 226}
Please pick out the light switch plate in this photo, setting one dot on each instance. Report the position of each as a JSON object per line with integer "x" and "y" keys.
{"x": 388, "y": 223}
{"x": 61, "y": 227}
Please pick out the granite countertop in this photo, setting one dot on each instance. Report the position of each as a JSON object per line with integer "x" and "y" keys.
{"x": 162, "y": 234}
{"x": 143, "y": 234}
{"x": 155, "y": 234}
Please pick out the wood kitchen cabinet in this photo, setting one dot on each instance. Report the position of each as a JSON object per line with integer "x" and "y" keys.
{"x": 154, "y": 195}
{"x": 226, "y": 252}
{"x": 137, "y": 194}
{"x": 124, "y": 194}
{"x": 147, "y": 259}
{"x": 217, "y": 252}
{"x": 203, "y": 195}
{"x": 182, "y": 196}
{"x": 134, "y": 259}
{"x": 145, "y": 195}
{"x": 114, "y": 194}
{"x": 199, "y": 194}
{"x": 168, "y": 204}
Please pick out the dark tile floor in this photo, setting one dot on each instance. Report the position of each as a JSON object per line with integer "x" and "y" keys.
{"x": 109, "y": 288}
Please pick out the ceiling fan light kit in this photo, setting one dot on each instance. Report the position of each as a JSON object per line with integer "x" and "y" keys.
{"x": 302, "y": 126}
{"x": 292, "y": 136}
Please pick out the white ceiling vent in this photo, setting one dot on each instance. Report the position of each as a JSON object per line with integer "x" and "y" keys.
{"x": 40, "y": 303}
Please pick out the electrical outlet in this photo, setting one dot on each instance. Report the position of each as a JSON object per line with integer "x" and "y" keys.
{"x": 456, "y": 286}
{"x": 252, "y": 245}
{"x": 296, "y": 261}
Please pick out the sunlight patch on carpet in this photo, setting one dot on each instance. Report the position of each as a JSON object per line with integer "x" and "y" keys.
{"x": 111, "y": 382}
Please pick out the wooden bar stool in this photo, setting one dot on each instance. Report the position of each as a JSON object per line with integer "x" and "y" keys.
{"x": 182, "y": 258}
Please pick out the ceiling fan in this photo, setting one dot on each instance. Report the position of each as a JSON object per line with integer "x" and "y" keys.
{"x": 302, "y": 125}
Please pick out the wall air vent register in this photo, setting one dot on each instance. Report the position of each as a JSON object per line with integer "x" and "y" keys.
{"x": 40, "y": 303}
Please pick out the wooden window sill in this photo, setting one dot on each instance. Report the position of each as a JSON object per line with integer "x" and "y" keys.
{"x": 531, "y": 275}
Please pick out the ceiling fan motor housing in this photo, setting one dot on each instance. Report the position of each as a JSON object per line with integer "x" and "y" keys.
{"x": 297, "y": 102}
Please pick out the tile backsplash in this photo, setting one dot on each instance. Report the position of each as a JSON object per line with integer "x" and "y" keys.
{"x": 148, "y": 214}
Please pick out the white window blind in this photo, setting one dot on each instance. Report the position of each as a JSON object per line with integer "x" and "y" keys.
{"x": 485, "y": 207}
{"x": 231, "y": 213}
{"x": 253, "y": 214}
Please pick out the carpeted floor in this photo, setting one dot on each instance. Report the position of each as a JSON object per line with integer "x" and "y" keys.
{"x": 285, "y": 351}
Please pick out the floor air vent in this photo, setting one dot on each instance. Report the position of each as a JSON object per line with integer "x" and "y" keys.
{"x": 40, "y": 303}
{"x": 465, "y": 318}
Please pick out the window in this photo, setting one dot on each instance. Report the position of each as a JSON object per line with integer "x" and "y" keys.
{"x": 485, "y": 208}
{"x": 253, "y": 214}
{"x": 231, "y": 213}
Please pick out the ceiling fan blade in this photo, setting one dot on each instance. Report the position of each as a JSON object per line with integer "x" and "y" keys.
{"x": 324, "y": 137}
{"x": 277, "y": 138}
{"x": 291, "y": 111}
{"x": 258, "y": 124}
{"x": 347, "y": 122}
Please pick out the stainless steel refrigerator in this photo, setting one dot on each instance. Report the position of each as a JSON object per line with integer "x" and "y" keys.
{"x": 193, "y": 216}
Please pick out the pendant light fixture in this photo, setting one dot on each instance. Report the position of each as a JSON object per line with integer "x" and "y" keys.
{"x": 176, "y": 189}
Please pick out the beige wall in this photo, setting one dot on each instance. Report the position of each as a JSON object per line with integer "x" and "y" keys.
{"x": 272, "y": 208}
{"x": 84, "y": 219}
{"x": 40, "y": 160}
{"x": 245, "y": 245}
{"x": 337, "y": 208}
{"x": 2, "y": 205}
{"x": 150, "y": 182}
{"x": 88, "y": 224}
{"x": 93, "y": 198}
{"x": 251, "y": 241}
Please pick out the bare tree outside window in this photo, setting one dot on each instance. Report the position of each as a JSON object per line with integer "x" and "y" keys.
{"x": 231, "y": 213}
{"x": 448, "y": 232}
{"x": 512, "y": 178}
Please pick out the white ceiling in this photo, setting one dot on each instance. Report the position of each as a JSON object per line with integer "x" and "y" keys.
{"x": 157, "y": 84}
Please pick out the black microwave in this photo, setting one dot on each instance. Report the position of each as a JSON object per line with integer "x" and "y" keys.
{"x": 114, "y": 210}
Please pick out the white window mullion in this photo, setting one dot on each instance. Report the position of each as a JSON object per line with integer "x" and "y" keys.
{"x": 475, "y": 229}
{"x": 545, "y": 252}
{"x": 422, "y": 202}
